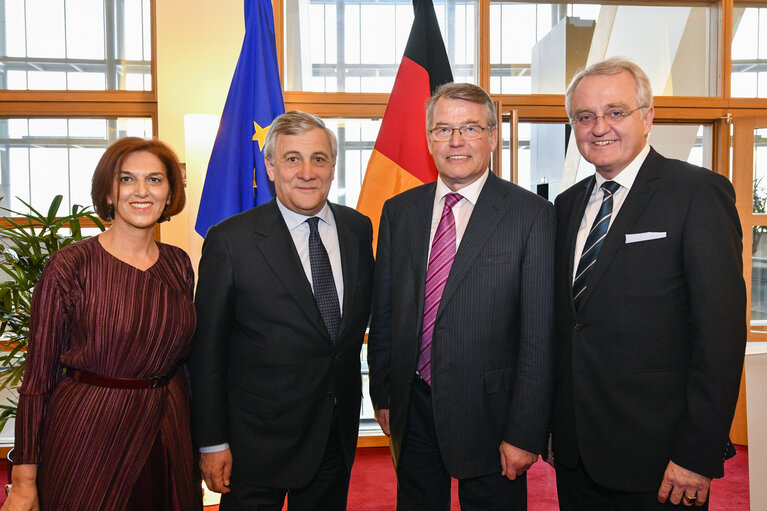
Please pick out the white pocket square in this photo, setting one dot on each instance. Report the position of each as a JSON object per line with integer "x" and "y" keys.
{"x": 644, "y": 236}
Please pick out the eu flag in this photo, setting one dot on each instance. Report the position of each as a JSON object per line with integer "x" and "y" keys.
{"x": 236, "y": 179}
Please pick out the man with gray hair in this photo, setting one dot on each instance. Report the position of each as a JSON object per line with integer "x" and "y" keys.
{"x": 651, "y": 310}
{"x": 462, "y": 336}
{"x": 283, "y": 300}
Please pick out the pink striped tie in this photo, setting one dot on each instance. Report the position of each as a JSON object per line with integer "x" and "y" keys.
{"x": 440, "y": 262}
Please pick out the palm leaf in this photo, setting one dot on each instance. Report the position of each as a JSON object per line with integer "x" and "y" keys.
{"x": 26, "y": 244}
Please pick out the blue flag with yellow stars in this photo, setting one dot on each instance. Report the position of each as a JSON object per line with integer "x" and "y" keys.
{"x": 236, "y": 179}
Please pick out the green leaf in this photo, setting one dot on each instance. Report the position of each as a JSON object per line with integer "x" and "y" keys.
{"x": 25, "y": 247}
{"x": 54, "y": 208}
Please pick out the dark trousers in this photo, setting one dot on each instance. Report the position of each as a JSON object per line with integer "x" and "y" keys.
{"x": 326, "y": 492}
{"x": 423, "y": 483}
{"x": 578, "y": 492}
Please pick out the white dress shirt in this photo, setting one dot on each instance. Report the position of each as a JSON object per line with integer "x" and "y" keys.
{"x": 625, "y": 179}
{"x": 299, "y": 231}
{"x": 461, "y": 211}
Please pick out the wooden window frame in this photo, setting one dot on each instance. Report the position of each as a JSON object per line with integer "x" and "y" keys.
{"x": 717, "y": 111}
{"x": 100, "y": 104}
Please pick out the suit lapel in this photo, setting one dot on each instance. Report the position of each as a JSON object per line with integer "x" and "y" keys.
{"x": 643, "y": 188}
{"x": 491, "y": 206}
{"x": 419, "y": 216}
{"x": 350, "y": 248}
{"x": 277, "y": 247}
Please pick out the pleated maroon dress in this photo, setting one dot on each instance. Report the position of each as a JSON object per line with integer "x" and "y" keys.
{"x": 94, "y": 312}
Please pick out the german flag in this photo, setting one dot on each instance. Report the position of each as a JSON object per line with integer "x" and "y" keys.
{"x": 400, "y": 158}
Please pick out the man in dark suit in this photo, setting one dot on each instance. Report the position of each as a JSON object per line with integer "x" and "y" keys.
{"x": 283, "y": 300}
{"x": 650, "y": 313}
{"x": 461, "y": 341}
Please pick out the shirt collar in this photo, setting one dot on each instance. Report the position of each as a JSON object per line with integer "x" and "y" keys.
{"x": 469, "y": 192}
{"x": 293, "y": 219}
{"x": 627, "y": 176}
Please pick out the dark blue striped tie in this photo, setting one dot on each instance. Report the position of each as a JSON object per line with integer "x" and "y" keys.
{"x": 594, "y": 241}
{"x": 322, "y": 280}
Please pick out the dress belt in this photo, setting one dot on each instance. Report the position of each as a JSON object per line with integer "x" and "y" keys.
{"x": 101, "y": 380}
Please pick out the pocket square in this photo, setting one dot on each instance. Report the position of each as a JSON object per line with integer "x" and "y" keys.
{"x": 644, "y": 236}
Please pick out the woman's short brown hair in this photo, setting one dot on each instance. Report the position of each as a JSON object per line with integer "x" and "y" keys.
{"x": 111, "y": 161}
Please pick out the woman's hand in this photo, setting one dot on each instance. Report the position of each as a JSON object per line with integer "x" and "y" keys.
{"x": 23, "y": 495}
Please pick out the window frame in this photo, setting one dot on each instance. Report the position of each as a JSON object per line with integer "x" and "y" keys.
{"x": 720, "y": 110}
{"x": 88, "y": 104}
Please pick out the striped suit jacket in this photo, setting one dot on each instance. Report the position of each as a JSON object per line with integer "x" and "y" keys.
{"x": 492, "y": 351}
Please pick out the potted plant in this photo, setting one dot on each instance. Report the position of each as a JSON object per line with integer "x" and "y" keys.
{"x": 25, "y": 246}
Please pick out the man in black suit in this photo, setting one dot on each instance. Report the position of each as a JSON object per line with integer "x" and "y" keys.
{"x": 461, "y": 340}
{"x": 283, "y": 300}
{"x": 650, "y": 313}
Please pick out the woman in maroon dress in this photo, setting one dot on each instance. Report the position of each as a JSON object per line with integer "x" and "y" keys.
{"x": 103, "y": 415}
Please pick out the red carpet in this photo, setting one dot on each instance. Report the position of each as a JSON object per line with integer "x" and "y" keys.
{"x": 373, "y": 486}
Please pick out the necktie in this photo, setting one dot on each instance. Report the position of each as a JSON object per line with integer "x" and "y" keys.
{"x": 322, "y": 279}
{"x": 594, "y": 241}
{"x": 440, "y": 262}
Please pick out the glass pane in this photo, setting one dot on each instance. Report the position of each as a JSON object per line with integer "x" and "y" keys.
{"x": 42, "y": 158}
{"x": 759, "y": 279}
{"x": 541, "y": 157}
{"x": 538, "y": 47}
{"x": 368, "y": 424}
{"x": 760, "y": 170}
{"x": 75, "y": 45}
{"x": 357, "y": 45}
{"x": 749, "y": 52}
{"x": 542, "y": 149}
{"x": 356, "y": 138}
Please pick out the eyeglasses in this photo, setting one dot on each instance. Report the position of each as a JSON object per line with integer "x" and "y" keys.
{"x": 612, "y": 116}
{"x": 468, "y": 132}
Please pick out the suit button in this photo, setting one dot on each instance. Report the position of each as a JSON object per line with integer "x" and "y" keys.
{"x": 578, "y": 327}
{"x": 335, "y": 355}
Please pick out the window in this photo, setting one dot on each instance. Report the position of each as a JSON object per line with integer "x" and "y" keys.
{"x": 44, "y": 157}
{"x": 537, "y": 48}
{"x": 356, "y": 138}
{"x": 75, "y": 45}
{"x": 525, "y": 53}
{"x": 749, "y": 51}
{"x": 357, "y": 45}
{"x": 75, "y": 75}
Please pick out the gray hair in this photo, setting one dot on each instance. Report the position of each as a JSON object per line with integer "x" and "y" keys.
{"x": 612, "y": 66}
{"x": 465, "y": 91}
{"x": 296, "y": 122}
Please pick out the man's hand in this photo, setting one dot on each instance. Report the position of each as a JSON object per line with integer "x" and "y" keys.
{"x": 23, "y": 495}
{"x": 216, "y": 468}
{"x": 684, "y": 486}
{"x": 515, "y": 461}
{"x": 382, "y": 417}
